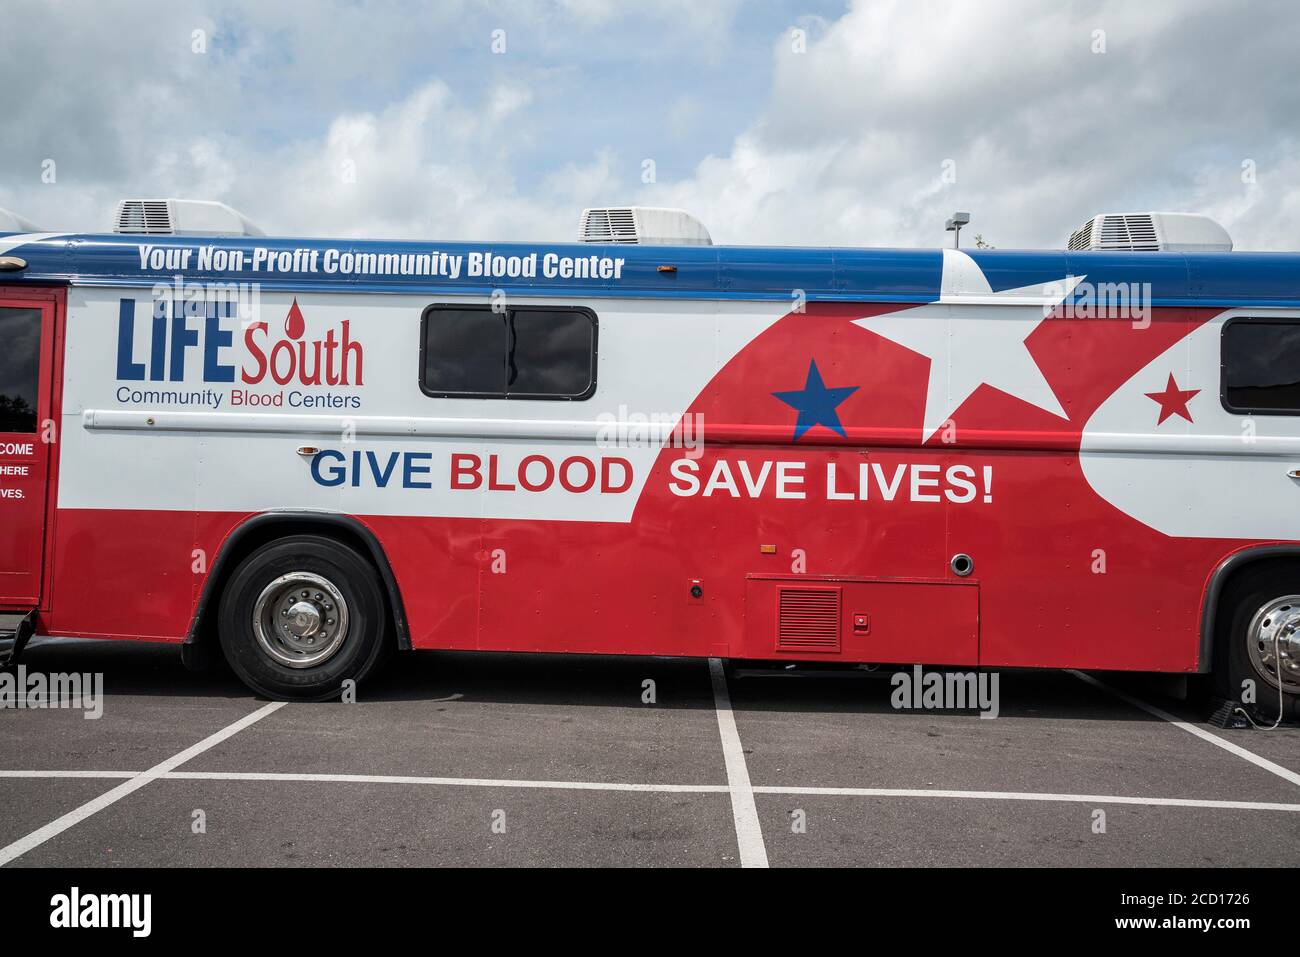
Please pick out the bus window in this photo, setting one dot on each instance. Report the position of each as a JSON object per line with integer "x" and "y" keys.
{"x": 524, "y": 352}
{"x": 552, "y": 354}
{"x": 463, "y": 352}
{"x": 1261, "y": 366}
{"x": 20, "y": 358}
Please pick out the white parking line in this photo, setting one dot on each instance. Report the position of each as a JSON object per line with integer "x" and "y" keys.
{"x": 59, "y": 825}
{"x": 1032, "y": 796}
{"x": 749, "y": 833}
{"x": 448, "y": 782}
{"x": 419, "y": 780}
{"x": 69, "y": 774}
{"x": 1285, "y": 773}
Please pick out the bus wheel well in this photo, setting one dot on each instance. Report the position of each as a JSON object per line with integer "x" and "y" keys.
{"x": 200, "y": 644}
{"x": 1229, "y": 584}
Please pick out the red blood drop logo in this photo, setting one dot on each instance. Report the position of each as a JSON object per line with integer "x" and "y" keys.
{"x": 294, "y": 324}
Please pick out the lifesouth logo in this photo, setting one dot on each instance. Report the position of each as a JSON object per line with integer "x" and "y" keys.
{"x": 198, "y": 334}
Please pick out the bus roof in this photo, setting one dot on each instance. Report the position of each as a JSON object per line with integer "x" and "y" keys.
{"x": 568, "y": 270}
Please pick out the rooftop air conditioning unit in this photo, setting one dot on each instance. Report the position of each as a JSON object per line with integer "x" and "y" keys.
{"x": 1152, "y": 232}
{"x": 642, "y": 226}
{"x": 180, "y": 217}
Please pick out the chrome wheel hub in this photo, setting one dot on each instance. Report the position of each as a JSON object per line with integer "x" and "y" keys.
{"x": 303, "y": 619}
{"x": 300, "y": 619}
{"x": 1273, "y": 641}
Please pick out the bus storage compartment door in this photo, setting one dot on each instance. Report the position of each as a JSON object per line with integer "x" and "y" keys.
{"x": 898, "y": 621}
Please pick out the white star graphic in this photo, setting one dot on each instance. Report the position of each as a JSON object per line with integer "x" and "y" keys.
{"x": 975, "y": 336}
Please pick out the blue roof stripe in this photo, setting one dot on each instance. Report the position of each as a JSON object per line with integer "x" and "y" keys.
{"x": 703, "y": 272}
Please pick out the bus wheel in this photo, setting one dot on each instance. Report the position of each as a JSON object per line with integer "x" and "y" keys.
{"x": 1261, "y": 644}
{"x": 302, "y": 615}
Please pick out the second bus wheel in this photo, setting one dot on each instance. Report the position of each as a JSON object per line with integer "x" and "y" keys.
{"x": 1259, "y": 641}
{"x": 302, "y": 615}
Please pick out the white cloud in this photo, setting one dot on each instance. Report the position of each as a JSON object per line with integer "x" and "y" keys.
{"x": 848, "y": 146}
{"x": 1041, "y": 130}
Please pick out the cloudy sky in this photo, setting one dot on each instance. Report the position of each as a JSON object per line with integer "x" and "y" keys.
{"x": 813, "y": 123}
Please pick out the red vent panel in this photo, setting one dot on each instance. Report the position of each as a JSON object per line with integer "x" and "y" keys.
{"x": 808, "y": 619}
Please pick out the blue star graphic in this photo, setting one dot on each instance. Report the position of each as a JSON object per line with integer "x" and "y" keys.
{"x": 816, "y": 403}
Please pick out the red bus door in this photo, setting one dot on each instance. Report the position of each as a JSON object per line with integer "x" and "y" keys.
{"x": 26, "y": 370}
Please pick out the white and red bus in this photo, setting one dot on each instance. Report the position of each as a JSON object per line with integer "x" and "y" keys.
{"x": 313, "y": 452}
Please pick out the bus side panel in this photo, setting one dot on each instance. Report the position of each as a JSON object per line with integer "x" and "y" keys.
{"x": 134, "y": 573}
{"x": 576, "y": 587}
{"x": 491, "y": 567}
{"x": 437, "y": 563}
{"x": 1088, "y": 588}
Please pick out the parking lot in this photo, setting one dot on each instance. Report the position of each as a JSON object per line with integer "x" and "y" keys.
{"x": 461, "y": 759}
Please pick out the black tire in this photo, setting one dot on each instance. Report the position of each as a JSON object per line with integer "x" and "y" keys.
{"x": 365, "y": 639}
{"x": 1233, "y": 663}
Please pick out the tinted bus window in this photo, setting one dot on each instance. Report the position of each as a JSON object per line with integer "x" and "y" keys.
{"x": 20, "y": 364}
{"x": 465, "y": 352}
{"x": 1261, "y": 366}
{"x": 522, "y": 353}
{"x": 553, "y": 354}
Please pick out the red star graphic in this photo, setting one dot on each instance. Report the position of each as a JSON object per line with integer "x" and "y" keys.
{"x": 1173, "y": 401}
